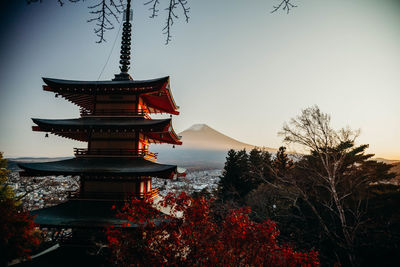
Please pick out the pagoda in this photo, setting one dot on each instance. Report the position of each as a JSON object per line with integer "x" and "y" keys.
{"x": 115, "y": 123}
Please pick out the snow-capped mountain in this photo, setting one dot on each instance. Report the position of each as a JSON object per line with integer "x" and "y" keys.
{"x": 203, "y": 147}
{"x": 202, "y": 136}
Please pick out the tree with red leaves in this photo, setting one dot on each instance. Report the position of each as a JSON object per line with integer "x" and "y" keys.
{"x": 17, "y": 236}
{"x": 190, "y": 236}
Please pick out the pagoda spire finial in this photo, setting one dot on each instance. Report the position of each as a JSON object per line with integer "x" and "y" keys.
{"x": 125, "y": 46}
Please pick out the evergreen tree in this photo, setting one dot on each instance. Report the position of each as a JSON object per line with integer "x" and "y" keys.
{"x": 233, "y": 184}
{"x": 256, "y": 162}
{"x": 260, "y": 167}
{"x": 282, "y": 163}
{"x": 243, "y": 173}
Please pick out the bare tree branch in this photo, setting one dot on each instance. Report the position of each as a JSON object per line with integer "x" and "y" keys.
{"x": 171, "y": 10}
{"x": 106, "y": 12}
{"x": 285, "y": 5}
{"x": 102, "y": 12}
{"x": 154, "y": 10}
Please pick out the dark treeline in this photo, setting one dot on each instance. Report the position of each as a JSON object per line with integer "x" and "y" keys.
{"x": 332, "y": 199}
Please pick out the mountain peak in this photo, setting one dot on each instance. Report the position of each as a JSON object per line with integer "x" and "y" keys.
{"x": 197, "y": 127}
{"x": 202, "y": 136}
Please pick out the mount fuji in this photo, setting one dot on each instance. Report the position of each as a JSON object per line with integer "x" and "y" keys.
{"x": 203, "y": 148}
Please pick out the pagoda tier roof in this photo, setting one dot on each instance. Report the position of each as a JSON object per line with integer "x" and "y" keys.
{"x": 105, "y": 122}
{"x": 156, "y": 131}
{"x": 84, "y": 214}
{"x": 78, "y": 213}
{"x": 100, "y": 167}
{"x": 156, "y": 93}
{"x": 109, "y": 84}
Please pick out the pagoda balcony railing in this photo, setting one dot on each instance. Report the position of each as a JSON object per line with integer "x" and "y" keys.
{"x": 112, "y": 195}
{"x": 114, "y": 112}
{"x": 115, "y": 152}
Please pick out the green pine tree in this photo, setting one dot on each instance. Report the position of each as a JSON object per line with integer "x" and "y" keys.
{"x": 233, "y": 185}
{"x": 282, "y": 163}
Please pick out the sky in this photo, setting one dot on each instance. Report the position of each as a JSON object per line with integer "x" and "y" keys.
{"x": 235, "y": 67}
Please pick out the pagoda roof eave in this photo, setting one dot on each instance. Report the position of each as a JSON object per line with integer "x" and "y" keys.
{"x": 100, "y": 167}
{"x": 156, "y": 92}
{"x": 60, "y": 83}
{"x": 164, "y": 103}
{"x": 169, "y": 137}
{"x": 78, "y": 213}
{"x": 103, "y": 122}
{"x": 157, "y": 131}
{"x": 85, "y": 214}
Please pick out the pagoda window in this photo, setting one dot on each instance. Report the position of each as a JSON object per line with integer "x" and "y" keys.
{"x": 142, "y": 188}
{"x": 149, "y": 185}
{"x": 143, "y": 144}
{"x": 141, "y": 104}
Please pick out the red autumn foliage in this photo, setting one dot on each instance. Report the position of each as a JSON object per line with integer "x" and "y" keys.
{"x": 17, "y": 236}
{"x": 190, "y": 236}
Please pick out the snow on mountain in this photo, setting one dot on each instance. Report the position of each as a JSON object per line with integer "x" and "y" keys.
{"x": 197, "y": 127}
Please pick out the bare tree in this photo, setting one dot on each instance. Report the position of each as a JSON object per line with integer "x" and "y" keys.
{"x": 333, "y": 179}
{"x": 106, "y": 13}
